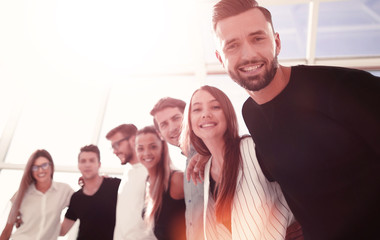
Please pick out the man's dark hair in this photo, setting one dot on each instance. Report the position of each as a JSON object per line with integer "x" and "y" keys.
{"x": 167, "y": 102}
{"x": 126, "y": 129}
{"x": 228, "y": 8}
{"x": 90, "y": 148}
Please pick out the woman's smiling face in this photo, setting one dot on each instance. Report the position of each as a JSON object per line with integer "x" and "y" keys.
{"x": 41, "y": 170}
{"x": 206, "y": 116}
{"x": 148, "y": 149}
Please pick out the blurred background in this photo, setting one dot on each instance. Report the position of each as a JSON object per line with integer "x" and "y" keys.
{"x": 70, "y": 71}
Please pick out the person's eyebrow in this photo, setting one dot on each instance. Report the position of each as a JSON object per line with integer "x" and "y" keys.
{"x": 211, "y": 101}
{"x": 230, "y": 41}
{"x": 195, "y": 103}
{"x": 258, "y": 32}
{"x": 163, "y": 122}
{"x": 174, "y": 116}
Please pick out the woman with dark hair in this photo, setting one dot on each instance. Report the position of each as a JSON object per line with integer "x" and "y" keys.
{"x": 239, "y": 202}
{"x": 39, "y": 201}
{"x": 165, "y": 205}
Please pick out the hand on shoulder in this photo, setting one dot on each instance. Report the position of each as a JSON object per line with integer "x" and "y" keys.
{"x": 196, "y": 168}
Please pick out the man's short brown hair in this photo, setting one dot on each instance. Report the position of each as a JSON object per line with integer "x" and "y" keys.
{"x": 125, "y": 129}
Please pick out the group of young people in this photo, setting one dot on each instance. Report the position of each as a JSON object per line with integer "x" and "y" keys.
{"x": 308, "y": 170}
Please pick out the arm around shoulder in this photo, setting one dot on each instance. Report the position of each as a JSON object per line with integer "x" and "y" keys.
{"x": 195, "y": 168}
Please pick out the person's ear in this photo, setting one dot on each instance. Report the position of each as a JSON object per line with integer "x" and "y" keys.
{"x": 132, "y": 140}
{"x": 160, "y": 135}
{"x": 217, "y": 54}
{"x": 278, "y": 43}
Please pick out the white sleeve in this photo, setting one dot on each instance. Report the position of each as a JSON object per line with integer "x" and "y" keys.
{"x": 130, "y": 203}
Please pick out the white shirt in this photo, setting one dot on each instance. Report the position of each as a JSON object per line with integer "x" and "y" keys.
{"x": 259, "y": 209}
{"x": 41, "y": 212}
{"x": 130, "y": 203}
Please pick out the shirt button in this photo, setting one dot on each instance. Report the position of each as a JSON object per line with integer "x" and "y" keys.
{"x": 189, "y": 201}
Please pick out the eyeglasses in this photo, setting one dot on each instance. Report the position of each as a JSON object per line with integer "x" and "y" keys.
{"x": 43, "y": 166}
{"x": 116, "y": 144}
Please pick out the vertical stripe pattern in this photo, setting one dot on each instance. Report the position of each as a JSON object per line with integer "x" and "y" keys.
{"x": 259, "y": 209}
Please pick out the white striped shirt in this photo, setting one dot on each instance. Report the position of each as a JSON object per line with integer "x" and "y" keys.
{"x": 259, "y": 209}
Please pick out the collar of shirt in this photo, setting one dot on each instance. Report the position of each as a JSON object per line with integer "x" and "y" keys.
{"x": 137, "y": 165}
{"x": 32, "y": 189}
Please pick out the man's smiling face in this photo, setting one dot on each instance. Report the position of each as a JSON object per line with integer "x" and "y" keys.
{"x": 248, "y": 49}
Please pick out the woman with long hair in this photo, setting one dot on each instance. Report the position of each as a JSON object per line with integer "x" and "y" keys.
{"x": 165, "y": 206}
{"x": 239, "y": 202}
{"x": 39, "y": 201}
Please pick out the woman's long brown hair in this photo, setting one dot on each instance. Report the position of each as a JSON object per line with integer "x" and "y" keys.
{"x": 26, "y": 181}
{"x": 232, "y": 157}
{"x": 154, "y": 200}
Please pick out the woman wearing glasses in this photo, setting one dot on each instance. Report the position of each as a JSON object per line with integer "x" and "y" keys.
{"x": 38, "y": 201}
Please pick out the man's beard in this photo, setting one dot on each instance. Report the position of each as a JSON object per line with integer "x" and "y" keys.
{"x": 128, "y": 156}
{"x": 255, "y": 83}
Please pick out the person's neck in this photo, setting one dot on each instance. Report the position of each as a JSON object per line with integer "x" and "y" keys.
{"x": 185, "y": 152}
{"x": 43, "y": 186}
{"x": 134, "y": 160}
{"x": 151, "y": 178}
{"x": 92, "y": 185}
{"x": 216, "y": 148}
{"x": 275, "y": 87}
